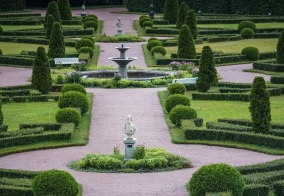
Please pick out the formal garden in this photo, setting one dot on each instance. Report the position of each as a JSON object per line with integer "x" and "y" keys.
{"x": 189, "y": 39}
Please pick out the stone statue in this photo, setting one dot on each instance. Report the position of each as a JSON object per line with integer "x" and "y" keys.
{"x": 83, "y": 8}
{"x": 119, "y": 23}
{"x": 129, "y": 128}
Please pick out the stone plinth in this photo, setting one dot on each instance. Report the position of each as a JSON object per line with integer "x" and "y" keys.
{"x": 129, "y": 148}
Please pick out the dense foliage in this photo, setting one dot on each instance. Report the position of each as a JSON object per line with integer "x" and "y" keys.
{"x": 68, "y": 115}
{"x": 176, "y": 88}
{"x": 52, "y": 9}
{"x": 252, "y": 53}
{"x": 73, "y": 87}
{"x": 153, "y": 43}
{"x": 49, "y": 24}
{"x": 56, "y": 43}
{"x": 247, "y": 33}
{"x": 186, "y": 44}
{"x": 280, "y": 49}
{"x": 84, "y": 43}
{"x": 158, "y": 49}
{"x": 64, "y": 9}
{"x": 74, "y": 99}
{"x": 181, "y": 112}
{"x": 8, "y": 5}
{"x": 246, "y": 24}
{"x": 171, "y": 11}
{"x": 182, "y": 14}
{"x": 190, "y": 21}
{"x": 1, "y": 114}
{"x": 176, "y": 99}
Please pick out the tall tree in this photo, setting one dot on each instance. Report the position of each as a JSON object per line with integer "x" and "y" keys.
{"x": 190, "y": 21}
{"x": 41, "y": 77}
{"x": 49, "y": 24}
{"x": 52, "y": 9}
{"x": 182, "y": 14}
{"x": 171, "y": 11}
{"x": 64, "y": 9}
{"x": 280, "y": 49}
{"x": 260, "y": 106}
{"x": 56, "y": 42}
{"x": 186, "y": 44}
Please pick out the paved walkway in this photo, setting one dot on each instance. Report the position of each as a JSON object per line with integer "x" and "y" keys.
{"x": 109, "y": 111}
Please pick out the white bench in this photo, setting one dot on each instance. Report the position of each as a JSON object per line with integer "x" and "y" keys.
{"x": 66, "y": 61}
{"x": 185, "y": 80}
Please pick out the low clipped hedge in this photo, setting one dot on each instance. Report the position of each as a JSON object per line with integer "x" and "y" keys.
{"x": 277, "y": 79}
{"x": 169, "y": 31}
{"x": 6, "y": 190}
{"x": 46, "y": 126}
{"x": 267, "y": 178}
{"x": 256, "y": 189}
{"x": 40, "y": 98}
{"x": 12, "y": 93}
{"x": 267, "y": 66}
{"x": 176, "y": 99}
{"x": 73, "y": 87}
{"x": 221, "y": 96}
{"x": 278, "y": 188}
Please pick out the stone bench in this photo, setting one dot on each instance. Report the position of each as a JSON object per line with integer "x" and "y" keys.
{"x": 185, "y": 80}
{"x": 66, "y": 61}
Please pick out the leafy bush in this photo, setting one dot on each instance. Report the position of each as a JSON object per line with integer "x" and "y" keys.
{"x": 89, "y": 38}
{"x": 139, "y": 152}
{"x": 280, "y": 49}
{"x": 73, "y": 87}
{"x": 186, "y": 44}
{"x": 247, "y": 33}
{"x": 64, "y": 9}
{"x": 88, "y": 50}
{"x": 148, "y": 24}
{"x": 198, "y": 122}
{"x": 181, "y": 112}
{"x": 56, "y": 42}
{"x": 68, "y": 115}
{"x": 90, "y": 24}
{"x": 74, "y": 99}
{"x": 246, "y": 24}
{"x": 171, "y": 8}
{"x": 144, "y": 19}
{"x": 152, "y": 38}
{"x": 84, "y": 43}
{"x": 52, "y": 9}
{"x": 251, "y": 53}
{"x": 182, "y": 14}
{"x": 190, "y": 21}
{"x": 176, "y": 99}
{"x": 153, "y": 43}
{"x": 278, "y": 188}
{"x": 216, "y": 178}
{"x": 55, "y": 182}
{"x": 176, "y": 88}
{"x": 158, "y": 49}
{"x": 49, "y": 24}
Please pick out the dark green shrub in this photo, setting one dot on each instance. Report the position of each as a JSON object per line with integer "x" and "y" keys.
{"x": 280, "y": 49}
{"x": 278, "y": 188}
{"x": 143, "y": 16}
{"x": 182, "y": 14}
{"x": 171, "y": 8}
{"x": 260, "y": 106}
{"x": 176, "y": 99}
{"x": 251, "y": 53}
{"x": 139, "y": 152}
{"x": 141, "y": 21}
{"x": 52, "y": 9}
{"x": 84, "y": 43}
{"x": 56, "y": 43}
{"x": 181, "y": 112}
{"x": 153, "y": 43}
{"x": 216, "y": 178}
{"x": 198, "y": 122}
{"x": 152, "y": 38}
{"x": 1, "y": 53}
{"x": 158, "y": 49}
{"x": 176, "y": 88}
{"x": 64, "y": 9}
{"x": 68, "y": 115}
{"x": 1, "y": 30}
{"x": 49, "y": 24}
{"x": 190, "y": 21}
{"x": 91, "y": 16}
{"x": 74, "y": 99}
{"x": 148, "y": 24}
{"x": 87, "y": 50}
{"x": 73, "y": 87}
{"x": 90, "y": 24}
{"x": 246, "y": 24}
{"x": 55, "y": 182}
{"x": 256, "y": 189}
{"x": 1, "y": 114}
{"x": 186, "y": 44}
{"x": 89, "y": 38}
{"x": 73, "y": 77}
{"x": 91, "y": 19}
{"x": 247, "y": 33}
{"x": 41, "y": 76}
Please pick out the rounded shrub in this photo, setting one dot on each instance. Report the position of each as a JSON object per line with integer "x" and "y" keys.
{"x": 1, "y": 30}
{"x": 176, "y": 99}
{"x": 143, "y": 16}
{"x": 152, "y": 38}
{"x": 251, "y": 53}
{"x": 91, "y": 16}
{"x": 158, "y": 49}
{"x": 84, "y": 43}
{"x": 90, "y": 24}
{"x": 87, "y": 50}
{"x": 216, "y": 178}
{"x": 68, "y": 115}
{"x": 246, "y": 24}
{"x": 181, "y": 112}
{"x": 247, "y": 33}
{"x": 89, "y": 38}
{"x": 73, "y": 87}
{"x": 176, "y": 88}
{"x": 153, "y": 43}
{"x": 148, "y": 24}
{"x": 141, "y": 21}
{"x": 55, "y": 182}
{"x": 90, "y": 19}
{"x": 74, "y": 99}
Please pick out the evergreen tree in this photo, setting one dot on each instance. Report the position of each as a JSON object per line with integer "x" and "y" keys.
{"x": 186, "y": 44}
{"x": 182, "y": 14}
{"x": 210, "y": 61}
{"x": 56, "y": 42}
{"x": 190, "y": 21}
{"x": 41, "y": 77}
{"x": 64, "y": 9}
{"x": 49, "y": 24}
{"x": 52, "y": 9}
{"x": 280, "y": 49}
{"x": 260, "y": 106}
{"x": 171, "y": 11}
{"x": 1, "y": 114}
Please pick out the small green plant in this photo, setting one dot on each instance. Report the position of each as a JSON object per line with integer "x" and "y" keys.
{"x": 158, "y": 49}
{"x": 116, "y": 150}
{"x": 181, "y": 112}
{"x": 73, "y": 77}
{"x": 176, "y": 88}
{"x": 247, "y": 33}
{"x": 139, "y": 152}
{"x": 90, "y": 24}
{"x": 198, "y": 122}
{"x": 246, "y": 24}
{"x": 153, "y": 43}
{"x": 176, "y": 99}
{"x": 251, "y": 53}
{"x": 73, "y": 87}
{"x": 68, "y": 115}
{"x": 74, "y": 99}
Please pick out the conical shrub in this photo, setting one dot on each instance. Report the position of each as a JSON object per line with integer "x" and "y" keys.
{"x": 182, "y": 14}
{"x": 186, "y": 44}
{"x": 52, "y": 9}
{"x": 190, "y": 21}
{"x": 280, "y": 49}
{"x": 56, "y": 43}
{"x": 171, "y": 11}
{"x": 64, "y": 9}
{"x": 49, "y": 24}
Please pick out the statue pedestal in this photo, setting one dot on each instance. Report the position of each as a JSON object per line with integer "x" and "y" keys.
{"x": 83, "y": 14}
{"x": 119, "y": 32}
{"x": 129, "y": 148}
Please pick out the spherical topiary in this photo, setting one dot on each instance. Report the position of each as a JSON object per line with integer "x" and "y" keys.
{"x": 92, "y": 16}
{"x": 84, "y": 43}
{"x": 216, "y": 178}
{"x": 152, "y": 38}
{"x": 68, "y": 115}
{"x": 153, "y": 43}
{"x": 247, "y": 33}
{"x": 246, "y": 24}
{"x": 87, "y": 50}
{"x": 176, "y": 88}
{"x": 73, "y": 87}
{"x": 147, "y": 24}
{"x": 141, "y": 21}
{"x": 90, "y": 24}
{"x": 176, "y": 99}
{"x": 181, "y": 112}
{"x": 1, "y": 30}
{"x": 251, "y": 53}
{"x": 55, "y": 182}
{"x": 75, "y": 100}
{"x": 158, "y": 49}
{"x": 143, "y": 16}
{"x": 90, "y": 19}
{"x": 89, "y": 38}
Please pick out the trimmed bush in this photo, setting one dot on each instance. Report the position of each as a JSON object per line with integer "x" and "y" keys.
{"x": 152, "y": 44}
{"x": 280, "y": 49}
{"x": 68, "y": 115}
{"x": 52, "y": 9}
{"x": 144, "y": 19}
{"x": 181, "y": 112}
{"x": 256, "y": 189}
{"x": 91, "y": 16}
{"x": 84, "y": 43}
{"x": 88, "y": 50}
{"x": 246, "y": 24}
{"x": 251, "y": 53}
{"x": 158, "y": 49}
{"x": 90, "y": 24}
{"x": 55, "y": 182}
{"x": 171, "y": 8}
{"x": 56, "y": 43}
{"x": 198, "y": 122}
{"x": 1, "y": 114}
{"x": 278, "y": 188}
{"x": 190, "y": 21}
{"x": 152, "y": 38}
{"x": 216, "y": 178}
{"x": 74, "y": 99}
{"x": 176, "y": 88}
{"x": 148, "y": 24}
{"x": 89, "y": 38}
{"x": 49, "y": 24}
{"x": 186, "y": 44}
{"x": 247, "y": 33}
{"x": 176, "y": 99}
{"x": 73, "y": 87}
{"x": 64, "y": 9}
{"x": 91, "y": 19}
{"x": 182, "y": 14}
